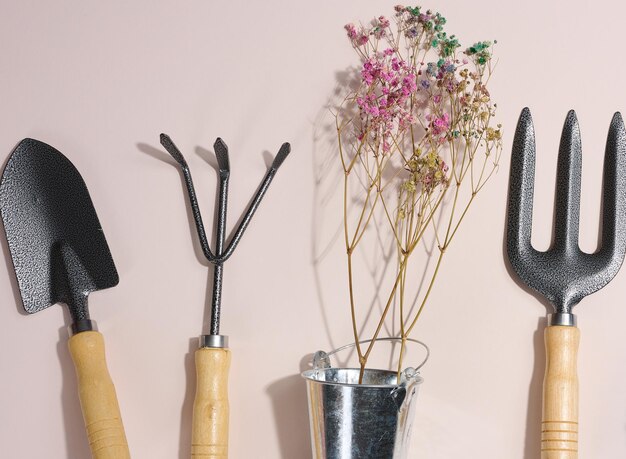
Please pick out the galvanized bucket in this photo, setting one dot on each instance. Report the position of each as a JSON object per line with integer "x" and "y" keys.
{"x": 370, "y": 420}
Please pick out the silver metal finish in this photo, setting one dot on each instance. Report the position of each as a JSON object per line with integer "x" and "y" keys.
{"x": 564, "y": 274}
{"x": 566, "y": 320}
{"x": 321, "y": 354}
{"x": 372, "y": 420}
{"x": 219, "y": 341}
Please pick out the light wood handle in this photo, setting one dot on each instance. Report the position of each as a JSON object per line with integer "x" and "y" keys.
{"x": 559, "y": 429}
{"x": 98, "y": 400}
{"x": 209, "y": 435}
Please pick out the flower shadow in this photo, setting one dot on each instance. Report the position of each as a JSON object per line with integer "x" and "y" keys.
{"x": 379, "y": 263}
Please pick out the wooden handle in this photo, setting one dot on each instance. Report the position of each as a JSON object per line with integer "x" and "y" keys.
{"x": 98, "y": 400}
{"x": 209, "y": 436}
{"x": 559, "y": 429}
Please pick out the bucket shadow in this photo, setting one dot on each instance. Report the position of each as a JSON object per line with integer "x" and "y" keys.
{"x": 184, "y": 446}
{"x": 75, "y": 436}
{"x": 291, "y": 414}
{"x": 532, "y": 442}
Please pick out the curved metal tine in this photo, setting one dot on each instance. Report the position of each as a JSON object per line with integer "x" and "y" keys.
{"x": 221, "y": 153}
{"x": 280, "y": 157}
{"x": 171, "y": 148}
{"x": 567, "y": 201}
{"x": 521, "y": 183}
{"x": 614, "y": 197}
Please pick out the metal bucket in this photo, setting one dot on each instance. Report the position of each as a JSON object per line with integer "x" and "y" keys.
{"x": 360, "y": 421}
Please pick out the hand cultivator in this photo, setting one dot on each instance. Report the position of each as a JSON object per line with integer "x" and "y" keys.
{"x": 210, "y": 410}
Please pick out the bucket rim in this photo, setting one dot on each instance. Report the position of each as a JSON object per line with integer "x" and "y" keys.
{"x": 321, "y": 359}
{"x": 308, "y": 375}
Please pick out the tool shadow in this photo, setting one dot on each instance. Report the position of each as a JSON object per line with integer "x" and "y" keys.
{"x": 532, "y": 440}
{"x": 184, "y": 446}
{"x": 290, "y": 407}
{"x": 75, "y": 437}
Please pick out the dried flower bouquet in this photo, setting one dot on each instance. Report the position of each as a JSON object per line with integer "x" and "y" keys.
{"x": 417, "y": 140}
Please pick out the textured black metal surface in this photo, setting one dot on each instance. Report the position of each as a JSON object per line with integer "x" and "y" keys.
{"x": 564, "y": 274}
{"x": 221, "y": 254}
{"x": 58, "y": 247}
{"x": 221, "y": 153}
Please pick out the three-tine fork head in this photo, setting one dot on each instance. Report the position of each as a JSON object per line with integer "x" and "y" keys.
{"x": 221, "y": 253}
{"x": 564, "y": 274}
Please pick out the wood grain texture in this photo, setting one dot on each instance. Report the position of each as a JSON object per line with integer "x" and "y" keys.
{"x": 98, "y": 400}
{"x": 559, "y": 429}
{"x": 209, "y": 437}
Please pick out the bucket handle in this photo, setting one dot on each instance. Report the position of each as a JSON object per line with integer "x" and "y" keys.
{"x": 321, "y": 359}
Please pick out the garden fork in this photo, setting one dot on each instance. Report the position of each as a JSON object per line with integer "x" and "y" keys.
{"x": 564, "y": 274}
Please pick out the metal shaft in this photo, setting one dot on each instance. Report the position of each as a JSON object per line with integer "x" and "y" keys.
{"x": 221, "y": 152}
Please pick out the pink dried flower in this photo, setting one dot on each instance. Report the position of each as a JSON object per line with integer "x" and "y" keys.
{"x": 384, "y": 96}
{"x": 351, "y": 30}
{"x": 441, "y": 124}
{"x": 386, "y": 146}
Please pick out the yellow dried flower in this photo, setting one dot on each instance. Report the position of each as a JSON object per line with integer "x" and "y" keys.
{"x": 493, "y": 134}
{"x": 410, "y": 186}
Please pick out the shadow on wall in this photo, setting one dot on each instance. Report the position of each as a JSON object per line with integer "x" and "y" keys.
{"x": 327, "y": 219}
{"x": 327, "y": 229}
{"x": 159, "y": 154}
{"x": 209, "y": 157}
{"x": 291, "y": 414}
{"x": 532, "y": 443}
{"x": 184, "y": 447}
{"x": 377, "y": 255}
{"x": 75, "y": 436}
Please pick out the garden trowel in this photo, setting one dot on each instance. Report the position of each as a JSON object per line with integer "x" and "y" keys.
{"x": 60, "y": 255}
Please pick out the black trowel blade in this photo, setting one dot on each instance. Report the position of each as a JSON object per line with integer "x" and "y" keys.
{"x": 56, "y": 242}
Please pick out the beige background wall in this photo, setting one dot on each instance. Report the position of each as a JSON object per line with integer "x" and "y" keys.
{"x": 101, "y": 80}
